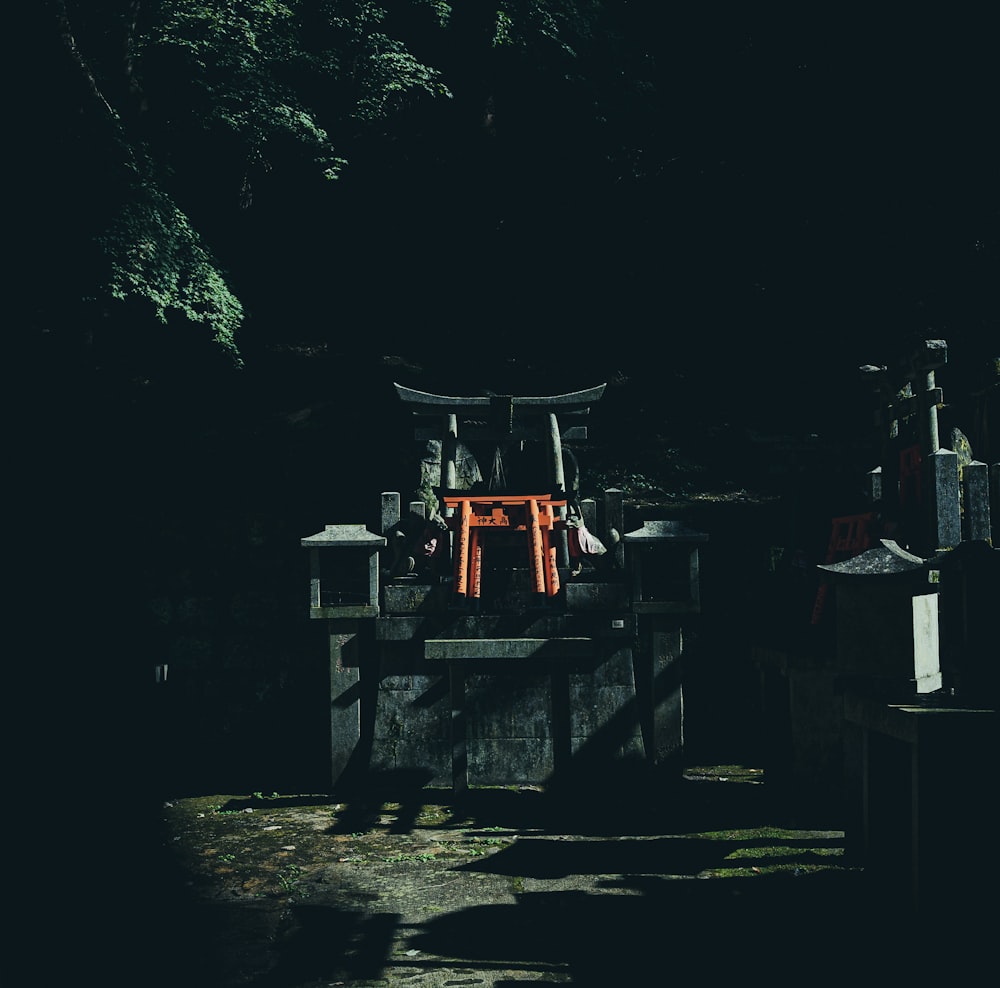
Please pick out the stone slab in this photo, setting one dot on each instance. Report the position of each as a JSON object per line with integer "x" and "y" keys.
{"x": 451, "y": 649}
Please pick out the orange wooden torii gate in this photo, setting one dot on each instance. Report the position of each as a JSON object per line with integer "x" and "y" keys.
{"x": 534, "y": 514}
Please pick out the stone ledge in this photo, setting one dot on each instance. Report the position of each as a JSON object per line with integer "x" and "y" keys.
{"x": 451, "y": 649}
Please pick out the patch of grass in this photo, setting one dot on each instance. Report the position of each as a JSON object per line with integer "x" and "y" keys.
{"x": 288, "y": 879}
{"x": 432, "y": 815}
{"x": 771, "y": 851}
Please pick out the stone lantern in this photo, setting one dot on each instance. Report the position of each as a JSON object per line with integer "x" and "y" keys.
{"x": 344, "y": 589}
{"x": 887, "y": 622}
{"x": 663, "y": 562}
{"x": 343, "y": 572}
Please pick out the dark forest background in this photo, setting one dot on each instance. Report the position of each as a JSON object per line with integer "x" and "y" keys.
{"x": 240, "y": 223}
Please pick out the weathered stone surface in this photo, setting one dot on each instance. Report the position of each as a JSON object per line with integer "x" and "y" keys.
{"x": 883, "y": 631}
{"x": 343, "y": 536}
{"x": 401, "y": 715}
{"x": 414, "y": 754}
{"x": 657, "y": 531}
{"x": 593, "y": 708}
{"x": 946, "y": 513}
{"x": 975, "y": 501}
{"x": 403, "y": 597}
{"x": 995, "y": 504}
{"x": 596, "y": 596}
{"x": 606, "y": 746}
{"x": 545, "y": 624}
{"x": 668, "y": 724}
{"x": 496, "y": 762}
{"x": 345, "y": 699}
{"x": 873, "y": 485}
{"x": 615, "y": 670}
{"x": 394, "y": 628}
{"x": 885, "y": 559}
{"x": 467, "y": 470}
{"x": 509, "y": 648}
{"x": 396, "y": 683}
{"x": 498, "y": 707}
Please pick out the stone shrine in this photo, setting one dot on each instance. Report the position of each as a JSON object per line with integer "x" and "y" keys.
{"x": 502, "y": 631}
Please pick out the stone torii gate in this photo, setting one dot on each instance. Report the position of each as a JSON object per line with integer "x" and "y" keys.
{"x": 499, "y": 419}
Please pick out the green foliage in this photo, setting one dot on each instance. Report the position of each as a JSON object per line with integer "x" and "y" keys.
{"x": 234, "y": 56}
{"x": 440, "y": 9}
{"x": 209, "y": 95}
{"x": 503, "y": 33}
{"x": 560, "y": 26}
{"x": 383, "y": 75}
{"x": 250, "y": 65}
{"x": 155, "y": 253}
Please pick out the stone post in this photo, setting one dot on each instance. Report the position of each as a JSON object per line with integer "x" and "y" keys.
{"x": 449, "y": 454}
{"x": 940, "y": 478}
{"x": 345, "y": 696}
{"x": 995, "y": 504}
{"x": 389, "y": 510}
{"x": 944, "y": 507}
{"x": 930, "y": 355}
{"x": 976, "y": 499}
{"x": 887, "y": 426}
{"x": 614, "y": 525}
{"x": 553, "y": 446}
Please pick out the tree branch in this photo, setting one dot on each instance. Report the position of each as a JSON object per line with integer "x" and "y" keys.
{"x": 68, "y": 42}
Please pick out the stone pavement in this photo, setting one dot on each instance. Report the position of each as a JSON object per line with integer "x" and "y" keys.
{"x": 638, "y": 882}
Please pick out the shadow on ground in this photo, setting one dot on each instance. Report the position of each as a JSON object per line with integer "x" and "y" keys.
{"x": 637, "y": 882}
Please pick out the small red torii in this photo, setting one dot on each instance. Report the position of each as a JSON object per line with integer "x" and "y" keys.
{"x": 535, "y": 514}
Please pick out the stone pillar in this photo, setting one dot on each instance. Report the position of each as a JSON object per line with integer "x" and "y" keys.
{"x": 931, "y": 355}
{"x": 887, "y": 426}
{"x": 995, "y": 504}
{"x": 389, "y": 510}
{"x": 449, "y": 454}
{"x": 614, "y": 525}
{"x": 345, "y": 697}
{"x": 553, "y": 445}
{"x": 459, "y": 739}
{"x": 944, "y": 522}
{"x": 976, "y": 501}
{"x": 873, "y": 486}
{"x": 665, "y": 640}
